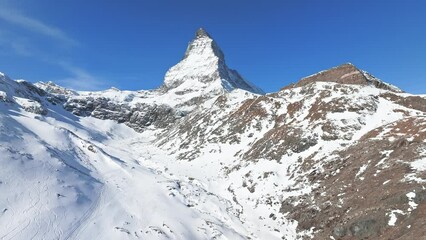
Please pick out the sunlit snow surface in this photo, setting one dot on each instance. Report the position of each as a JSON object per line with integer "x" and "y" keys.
{"x": 69, "y": 178}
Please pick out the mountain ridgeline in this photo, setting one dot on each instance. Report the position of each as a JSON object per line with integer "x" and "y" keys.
{"x": 208, "y": 155}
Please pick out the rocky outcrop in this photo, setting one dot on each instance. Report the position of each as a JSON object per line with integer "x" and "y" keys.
{"x": 137, "y": 117}
{"x": 55, "y": 89}
{"x": 25, "y": 95}
{"x": 414, "y": 102}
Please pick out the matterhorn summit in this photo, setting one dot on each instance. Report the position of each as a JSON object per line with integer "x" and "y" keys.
{"x": 203, "y": 70}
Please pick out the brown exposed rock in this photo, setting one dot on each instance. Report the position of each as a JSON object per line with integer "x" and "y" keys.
{"x": 414, "y": 102}
{"x": 249, "y": 115}
{"x": 344, "y": 74}
{"x": 278, "y": 141}
{"x": 410, "y": 127}
{"x": 293, "y": 108}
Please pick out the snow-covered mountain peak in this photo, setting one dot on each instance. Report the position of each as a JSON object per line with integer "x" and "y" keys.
{"x": 203, "y": 70}
{"x": 203, "y": 45}
{"x": 199, "y": 77}
{"x": 202, "y": 33}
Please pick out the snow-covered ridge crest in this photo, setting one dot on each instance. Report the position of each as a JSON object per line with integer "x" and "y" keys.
{"x": 346, "y": 74}
{"x": 53, "y": 88}
{"x": 25, "y": 95}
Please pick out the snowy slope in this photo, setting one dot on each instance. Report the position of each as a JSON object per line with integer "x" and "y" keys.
{"x": 210, "y": 175}
{"x": 239, "y": 166}
{"x": 66, "y": 177}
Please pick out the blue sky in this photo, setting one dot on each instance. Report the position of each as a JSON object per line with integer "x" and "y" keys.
{"x": 130, "y": 44}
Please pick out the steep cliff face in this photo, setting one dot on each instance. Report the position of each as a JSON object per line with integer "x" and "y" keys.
{"x": 338, "y": 155}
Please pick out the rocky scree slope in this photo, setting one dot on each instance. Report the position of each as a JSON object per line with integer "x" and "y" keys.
{"x": 338, "y": 155}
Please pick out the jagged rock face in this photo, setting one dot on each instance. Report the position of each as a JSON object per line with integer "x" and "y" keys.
{"x": 346, "y": 74}
{"x": 294, "y": 119}
{"x": 203, "y": 44}
{"x": 53, "y": 88}
{"x": 138, "y": 116}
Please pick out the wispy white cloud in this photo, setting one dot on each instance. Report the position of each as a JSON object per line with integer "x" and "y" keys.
{"x": 20, "y": 44}
{"x": 81, "y": 79}
{"x": 17, "y": 18}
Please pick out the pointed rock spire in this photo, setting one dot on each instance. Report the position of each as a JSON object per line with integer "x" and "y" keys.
{"x": 203, "y": 45}
{"x": 203, "y": 69}
{"x": 201, "y": 33}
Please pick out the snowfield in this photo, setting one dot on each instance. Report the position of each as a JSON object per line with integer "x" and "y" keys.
{"x": 76, "y": 180}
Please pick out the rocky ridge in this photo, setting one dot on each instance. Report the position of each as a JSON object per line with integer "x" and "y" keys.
{"x": 346, "y": 74}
